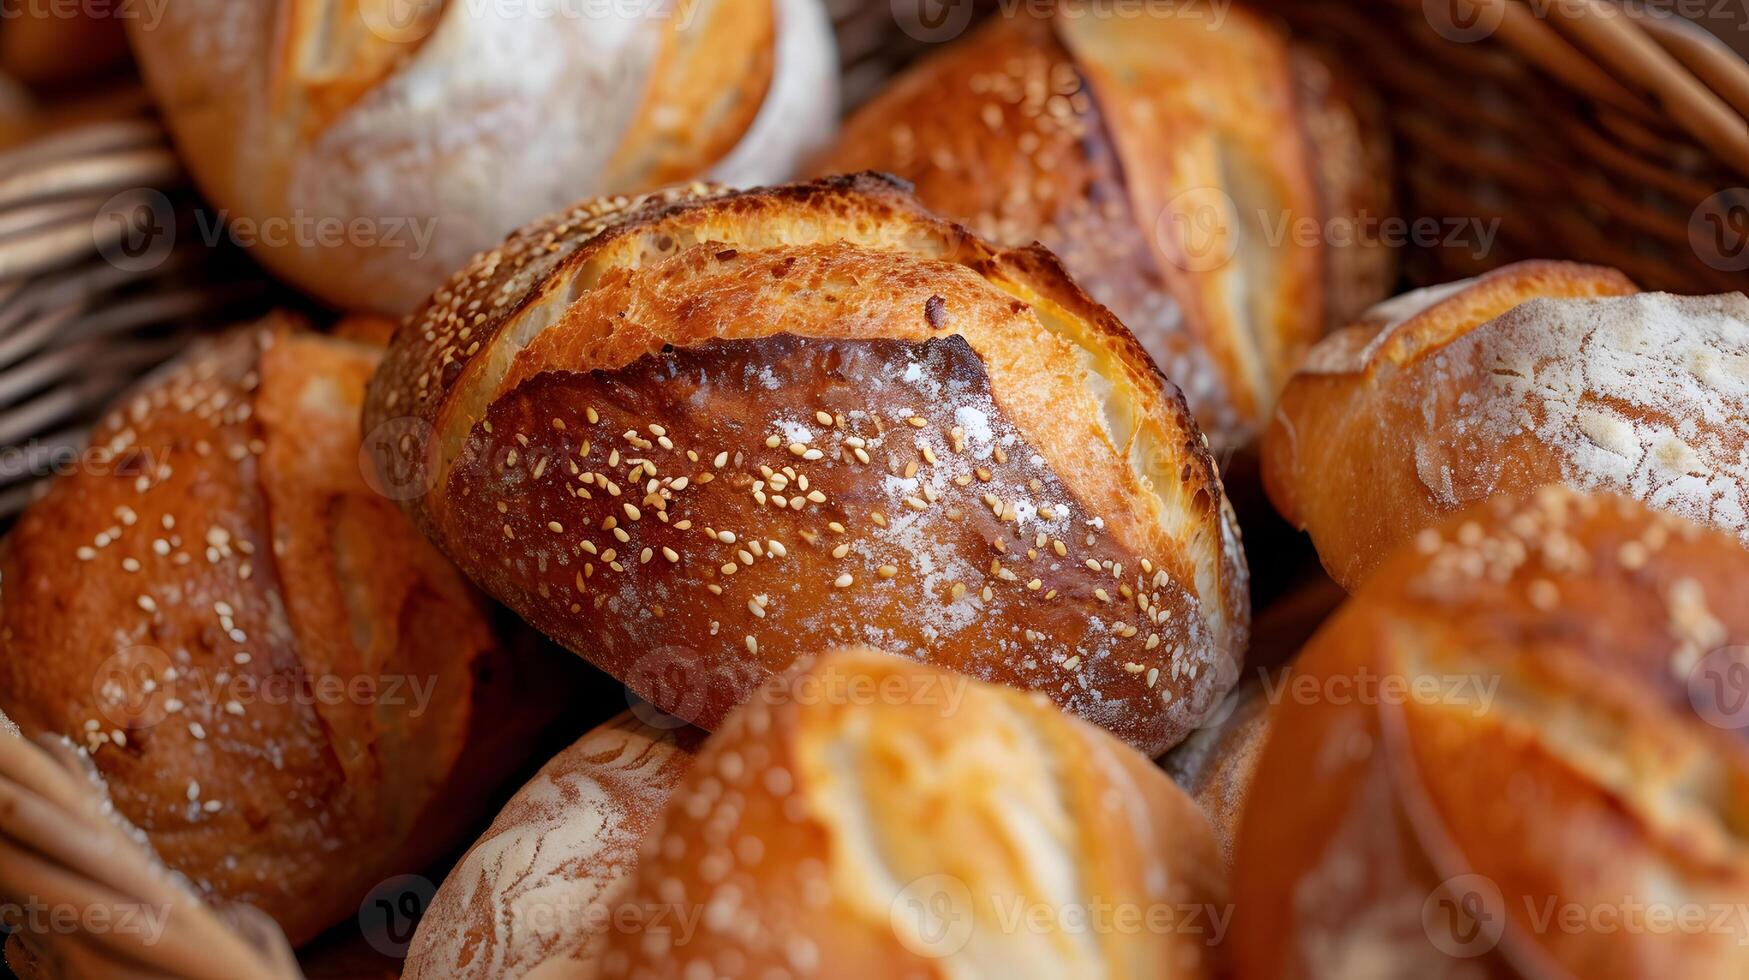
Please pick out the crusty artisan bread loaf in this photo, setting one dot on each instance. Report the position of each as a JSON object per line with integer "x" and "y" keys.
{"x": 1518, "y": 750}
{"x": 537, "y": 894}
{"x": 1217, "y": 186}
{"x": 867, "y": 816}
{"x": 695, "y": 435}
{"x": 1541, "y": 372}
{"x": 364, "y": 149}
{"x": 275, "y": 674}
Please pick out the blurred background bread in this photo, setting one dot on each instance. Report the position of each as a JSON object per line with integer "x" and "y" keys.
{"x": 364, "y": 150}
{"x": 695, "y": 436}
{"x": 865, "y": 816}
{"x": 284, "y": 686}
{"x": 1517, "y": 751}
{"x": 1541, "y": 372}
{"x": 537, "y": 894}
{"x": 1188, "y": 164}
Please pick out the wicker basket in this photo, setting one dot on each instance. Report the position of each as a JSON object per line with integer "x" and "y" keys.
{"x": 1571, "y": 128}
{"x": 1586, "y": 129}
{"x": 101, "y": 278}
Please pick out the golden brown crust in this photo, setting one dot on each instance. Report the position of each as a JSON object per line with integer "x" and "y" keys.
{"x": 1156, "y": 155}
{"x": 866, "y": 816}
{"x": 1537, "y": 373}
{"x": 274, "y": 673}
{"x": 364, "y": 150}
{"x": 1526, "y": 704}
{"x": 510, "y": 436}
{"x": 536, "y": 894}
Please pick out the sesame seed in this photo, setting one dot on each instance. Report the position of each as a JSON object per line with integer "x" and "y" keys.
{"x": 887, "y": 571}
{"x": 671, "y": 555}
{"x": 844, "y": 581}
{"x": 752, "y": 645}
{"x": 555, "y": 527}
{"x": 632, "y": 511}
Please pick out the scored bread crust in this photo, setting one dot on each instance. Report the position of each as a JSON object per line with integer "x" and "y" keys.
{"x": 866, "y": 816}
{"x": 200, "y": 605}
{"x": 1536, "y": 704}
{"x": 1538, "y": 373}
{"x": 364, "y": 154}
{"x": 1153, "y": 153}
{"x": 612, "y": 287}
{"x": 536, "y": 894}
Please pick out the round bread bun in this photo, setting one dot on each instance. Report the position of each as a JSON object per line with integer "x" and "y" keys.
{"x": 365, "y": 150}
{"x": 277, "y": 677}
{"x": 535, "y": 896}
{"x": 1536, "y": 373}
{"x": 696, "y": 435}
{"x": 867, "y": 816}
{"x": 1163, "y": 157}
{"x": 1519, "y": 751}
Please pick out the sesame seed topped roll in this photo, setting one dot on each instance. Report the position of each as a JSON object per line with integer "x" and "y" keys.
{"x": 1211, "y": 181}
{"x": 1521, "y": 749}
{"x": 693, "y": 435}
{"x": 272, "y": 671}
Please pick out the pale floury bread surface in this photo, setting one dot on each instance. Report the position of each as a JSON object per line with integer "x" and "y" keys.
{"x": 1211, "y": 182}
{"x": 1537, "y": 373}
{"x": 364, "y": 149}
{"x": 279, "y": 680}
{"x": 1518, "y": 750}
{"x": 537, "y": 894}
{"x": 696, "y": 435}
{"x": 867, "y": 816}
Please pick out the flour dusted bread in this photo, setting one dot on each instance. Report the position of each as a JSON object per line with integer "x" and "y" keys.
{"x": 536, "y": 896}
{"x": 696, "y": 435}
{"x": 1537, "y": 373}
{"x": 1210, "y": 181}
{"x": 277, "y": 677}
{"x": 867, "y": 816}
{"x": 367, "y": 148}
{"x": 1518, "y": 750}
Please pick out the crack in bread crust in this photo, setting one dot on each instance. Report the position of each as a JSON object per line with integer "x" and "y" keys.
{"x": 839, "y": 259}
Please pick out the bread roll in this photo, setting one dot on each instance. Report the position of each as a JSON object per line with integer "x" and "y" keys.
{"x": 1216, "y": 186}
{"x": 535, "y": 896}
{"x": 1517, "y": 751}
{"x": 696, "y": 435}
{"x": 366, "y": 149}
{"x": 1537, "y": 373}
{"x": 866, "y": 816}
{"x": 276, "y": 676}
